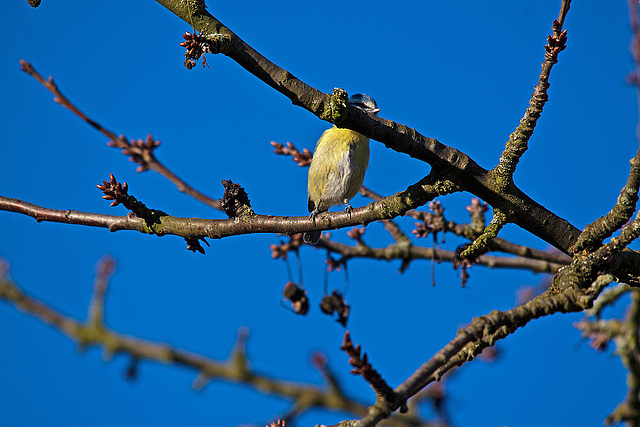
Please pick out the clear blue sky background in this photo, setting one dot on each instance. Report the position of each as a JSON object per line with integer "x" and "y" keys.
{"x": 461, "y": 72}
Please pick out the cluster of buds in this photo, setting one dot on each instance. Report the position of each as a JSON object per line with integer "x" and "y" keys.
{"x": 4, "y": 268}
{"x": 356, "y": 233}
{"x": 106, "y": 267}
{"x": 319, "y": 360}
{"x": 193, "y": 244}
{"x": 334, "y": 264}
{"x": 362, "y": 367}
{"x": 139, "y": 151}
{"x": 432, "y": 222}
{"x": 281, "y": 250}
{"x": 113, "y": 190}
{"x": 476, "y": 211}
{"x": 235, "y": 201}
{"x": 117, "y": 192}
{"x": 197, "y": 45}
{"x": 556, "y": 42}
{"x": 302, "y": 158}
{"x": 599, "y": 333}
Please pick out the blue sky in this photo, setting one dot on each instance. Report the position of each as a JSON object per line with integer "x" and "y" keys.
{"x": 461, "y": 72}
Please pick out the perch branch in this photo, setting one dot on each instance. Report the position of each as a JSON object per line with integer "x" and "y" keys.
{"x": 452, "y": 163}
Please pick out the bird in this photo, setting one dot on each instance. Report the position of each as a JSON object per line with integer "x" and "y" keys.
{"x": 338, "y": 166}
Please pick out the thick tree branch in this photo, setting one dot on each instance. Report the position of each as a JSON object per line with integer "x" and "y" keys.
{"x": 574, "y": 288}
{"x": 483, "y": 332}
{"x": 448, "y": 161}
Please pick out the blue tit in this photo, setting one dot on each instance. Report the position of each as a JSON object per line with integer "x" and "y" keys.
{"x": 338, "y": 165}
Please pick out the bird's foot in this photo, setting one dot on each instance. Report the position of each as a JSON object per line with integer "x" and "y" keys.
{"x": 348, "y": 209}
{"x": 313, "y": 215}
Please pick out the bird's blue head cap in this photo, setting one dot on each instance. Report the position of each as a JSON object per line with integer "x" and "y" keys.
{"x": 364, "y": 102}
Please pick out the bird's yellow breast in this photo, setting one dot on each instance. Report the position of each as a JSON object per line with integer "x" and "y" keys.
{"x": 337, "y": 169}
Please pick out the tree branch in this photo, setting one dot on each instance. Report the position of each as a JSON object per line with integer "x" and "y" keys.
{"x": 483, "y": 332}
{"x": 408, "y": 253}
{"x": 389, "y": 207}
{"x": 447, "y": 161}
{"x": 140, "y": 151}
{"x": 92, "y": 333}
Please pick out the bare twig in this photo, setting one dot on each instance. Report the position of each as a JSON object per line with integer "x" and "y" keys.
{"x": 496, "y": 244}
{"x": 104, "y": 270}
{"x": 140, "y": 151}
{"x": 362, "y": 367}
{"x": 413, "y": 252}
{"x": 517, "y": 144}
{"x": 236, "y": 369}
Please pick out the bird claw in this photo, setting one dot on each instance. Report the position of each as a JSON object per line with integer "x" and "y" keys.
{"x": 348, "y": 209}
{"x": 313, "y": 215}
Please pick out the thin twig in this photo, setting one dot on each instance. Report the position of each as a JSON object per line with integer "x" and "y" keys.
{"x": 140, "y": 151}
{"x": 413, "y": 252}
{"x": 88, "y": 334}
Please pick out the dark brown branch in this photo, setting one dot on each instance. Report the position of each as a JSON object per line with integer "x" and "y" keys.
{"x": 518, "y": 141}
{"x": 449, "y": 162}
{"x": 502, "y": 245}
{"x": 140, "y": 151}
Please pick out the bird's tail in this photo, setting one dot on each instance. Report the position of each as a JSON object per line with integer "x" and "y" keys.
{"x": 312, "y": 237}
